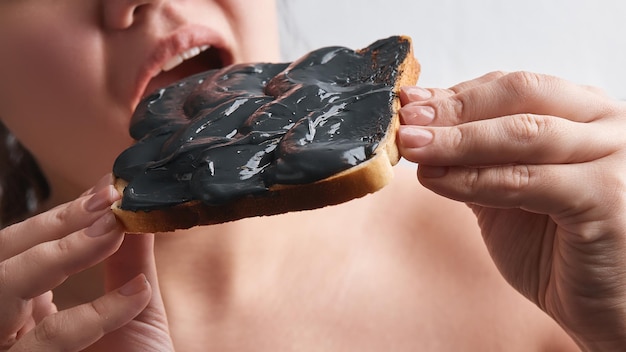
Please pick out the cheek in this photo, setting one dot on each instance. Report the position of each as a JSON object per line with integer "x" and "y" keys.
{"x": 53, "y": 97}
{"x": 47, "y": 69}
{"x": 258, "y": 28}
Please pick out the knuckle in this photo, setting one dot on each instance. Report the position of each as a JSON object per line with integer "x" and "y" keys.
{"x": 509, "y": 180}
{"x": 457, "y": 138}
{"x": 471, "y": 179}
{"x": 64, "y": 246}
{"x": 99, "y": 310}
{"x": 447, "y": 110}
{"x": 102, "y": 317}
{"x": 528, "y": 127}
{"x": 525, "y": 84}
{"x": 518, "y": 178}
{"x": 455, "y": 106}
{"x": 62, "y": 215}
{"x": 495, "y": 75}
{"x": 49, "y": 329}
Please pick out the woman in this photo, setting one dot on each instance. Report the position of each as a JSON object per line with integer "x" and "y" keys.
{"x": 390, "y": 271}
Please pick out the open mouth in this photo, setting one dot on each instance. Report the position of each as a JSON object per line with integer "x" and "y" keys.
{"x": 192, "y": 61}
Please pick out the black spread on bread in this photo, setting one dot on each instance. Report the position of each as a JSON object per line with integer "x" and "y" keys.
{"x": 238, "y": 131}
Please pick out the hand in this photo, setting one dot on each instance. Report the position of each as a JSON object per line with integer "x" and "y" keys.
{"x": 38, "y": 254}
{"x": 149, "y": 330}
{"x": 542, "y": 163}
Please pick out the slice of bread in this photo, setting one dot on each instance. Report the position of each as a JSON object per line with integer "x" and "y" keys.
{"x": 365, "y": 177}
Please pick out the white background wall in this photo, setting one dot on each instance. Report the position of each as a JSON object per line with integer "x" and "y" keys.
{"x": 455, "y": 40}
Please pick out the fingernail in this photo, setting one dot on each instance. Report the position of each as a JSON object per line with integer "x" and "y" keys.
{"x": 102, "y": 199}
{"x": 106, "y": 180}
{"x": 414, "y": 137}
{"x": 432, "y": 171}
{"x": 417, "y": 93}
{"x": 102, "y": 226}
{"x": 134, "y": 286}
{"x": 417, "y": 114}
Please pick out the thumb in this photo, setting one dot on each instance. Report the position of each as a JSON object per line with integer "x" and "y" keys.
{"x": 135, "y": 256}
{"x": 149, "y": 329}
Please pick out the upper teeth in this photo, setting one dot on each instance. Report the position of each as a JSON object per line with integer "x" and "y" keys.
{"x": 188, "y": 54}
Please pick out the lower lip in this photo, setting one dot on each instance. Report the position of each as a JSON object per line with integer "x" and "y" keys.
{"x": 188, "y": 36}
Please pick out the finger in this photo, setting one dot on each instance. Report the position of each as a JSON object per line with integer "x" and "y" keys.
{"x": 409, "y": 94}
{"x": 13, "y": 329}
{"x": 43, "y": 306}
{"x": 417, "y": 114}
{"x": 417, "y": 111}
{"x": 47, "y": 265}
{"x": 28, "y": 326}
{"x": 79, "y": 327}
{"x": 12, "y": 322}
{"x": 545, "y": 189}
{"x": 106, "y": 180}
{"x": 136, "y": 255}
{"x": 525, "y": 138}
{"x": 489, "y": 77}
{"x": 519, "y": 93}
{"x": 56, "y": 223}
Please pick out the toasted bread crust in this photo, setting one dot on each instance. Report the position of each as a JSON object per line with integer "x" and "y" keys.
{"x": 358, "y": 181}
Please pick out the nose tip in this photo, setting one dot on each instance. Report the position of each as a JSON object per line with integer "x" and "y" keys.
{"x": 123, "y": 14}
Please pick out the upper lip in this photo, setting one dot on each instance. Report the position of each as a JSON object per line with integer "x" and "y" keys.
{"x": 180, "y": 41}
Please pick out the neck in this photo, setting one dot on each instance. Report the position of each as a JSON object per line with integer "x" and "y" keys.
{"x": 220, "y": 260}
{"x": 200, "y": 260}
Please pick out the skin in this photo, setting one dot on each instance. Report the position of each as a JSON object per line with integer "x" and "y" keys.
{"x": 514, "y": 147}
{"x": 519, "y": 158}
{"x": 97, "y": 66}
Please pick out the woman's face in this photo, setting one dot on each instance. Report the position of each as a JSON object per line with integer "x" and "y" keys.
{"x": 72, "y": 71}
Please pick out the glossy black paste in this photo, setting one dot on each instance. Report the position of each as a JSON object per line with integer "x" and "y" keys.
{"x": 237, "y": 131}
